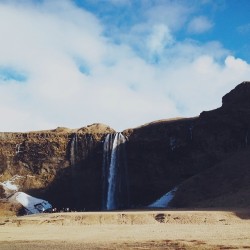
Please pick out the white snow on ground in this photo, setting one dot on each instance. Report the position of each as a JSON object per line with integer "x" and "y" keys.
{"x": 10, "y": 186}
{"x": 164, "y": 201}
{"x": 32, "y": 204}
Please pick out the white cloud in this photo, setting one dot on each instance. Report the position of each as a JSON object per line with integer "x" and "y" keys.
{"x": 122, "y": 2}
{"x": 173, "y": 14}
{"x": 244, "y": 29}
{"x": 200, "y": 85}
{"x": 159, "y": 39}
{"x": 199, "y": 25}
{"x": 48, "y": 42}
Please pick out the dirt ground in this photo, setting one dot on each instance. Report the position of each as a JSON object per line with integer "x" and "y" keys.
{"x": 128, "y": 230}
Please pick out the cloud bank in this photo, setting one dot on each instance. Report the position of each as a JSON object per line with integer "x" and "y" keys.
{"x": 61, "y": 66}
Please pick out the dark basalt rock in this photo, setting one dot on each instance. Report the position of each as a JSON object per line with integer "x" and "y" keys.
{"x": 239, "y": 96}
{"x": 165, "y": 154}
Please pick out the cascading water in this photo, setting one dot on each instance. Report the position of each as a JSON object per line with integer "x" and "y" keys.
{"x": 191, "y": 132}
{"x": 107, "y": 148}
{"x": 115, "y": 188}
{"x": 81, "y": 148}
{"x": 112, "y": 182}
{"x": 73, "y": 150}
{"x": 246, "y": 139}
{"x": 18, "y": 146}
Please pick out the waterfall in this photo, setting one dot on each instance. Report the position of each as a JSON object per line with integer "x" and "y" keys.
{"x": 18, "y": 148}
{"x": 107, "y": 148}
{"x": 115, "y": 189}
{"x": 172, "y": 143}
{"x": 112, "y": 182}
{"x": 86, "y": 145}
{"x": 191, "y": 132}
{"x": 73, "y": 150}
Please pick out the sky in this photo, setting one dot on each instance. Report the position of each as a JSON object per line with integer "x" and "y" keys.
{"x": 124, "y": 63}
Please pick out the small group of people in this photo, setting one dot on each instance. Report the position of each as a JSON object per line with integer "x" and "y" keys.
{"x": 55, "y": 210}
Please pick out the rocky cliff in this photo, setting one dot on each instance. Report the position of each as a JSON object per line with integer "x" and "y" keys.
{"x": 64, "y": 166}
{"x": 166, "y": 154}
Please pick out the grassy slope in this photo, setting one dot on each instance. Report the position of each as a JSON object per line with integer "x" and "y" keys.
{"x": 227, "y": 184}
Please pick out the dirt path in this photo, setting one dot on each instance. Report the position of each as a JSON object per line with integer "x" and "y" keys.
{"x": 128, "y": 230}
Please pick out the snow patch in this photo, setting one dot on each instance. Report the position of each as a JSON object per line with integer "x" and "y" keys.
{"x": 164, "y": 201}
{"x": 31, "y": 204}
{"x": 10, "y": 186}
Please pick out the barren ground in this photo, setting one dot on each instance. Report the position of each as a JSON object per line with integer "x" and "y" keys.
{"x": 128, "y": 230}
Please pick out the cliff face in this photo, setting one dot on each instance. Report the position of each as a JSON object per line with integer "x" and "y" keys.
{"x": 65, "y": 166}
{"x": 163, "y": 155}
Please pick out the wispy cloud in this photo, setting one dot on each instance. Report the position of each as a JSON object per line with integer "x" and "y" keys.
{"x": 244, "y": 29}
{"x": 199, "y": 25}
{"x": 118, "y": 2}
{"x": 174, "y": 14}
{"x": 159, "y": 38}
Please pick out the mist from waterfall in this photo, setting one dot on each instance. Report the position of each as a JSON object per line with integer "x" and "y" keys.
{"x": 115, "y": 186}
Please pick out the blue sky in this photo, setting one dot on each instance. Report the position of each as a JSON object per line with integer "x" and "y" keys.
{"x": 119, "y": 62}
{"x": 227, "y": 20}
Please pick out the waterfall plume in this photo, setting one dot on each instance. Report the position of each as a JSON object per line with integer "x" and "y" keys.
{"x": 115, "y": 186}
{"x": 73, "y": 149}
